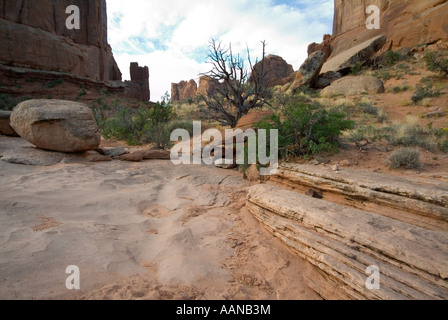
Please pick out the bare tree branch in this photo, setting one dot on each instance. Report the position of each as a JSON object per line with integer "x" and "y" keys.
{"x": 236, "y": 95}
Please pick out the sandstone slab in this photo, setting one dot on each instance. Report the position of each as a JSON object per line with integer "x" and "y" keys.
{"x": 32, "y": 156}
{"x": 354, "y": 56}
{"x": 343, "y": 242}
{"x": 353, "y": 85}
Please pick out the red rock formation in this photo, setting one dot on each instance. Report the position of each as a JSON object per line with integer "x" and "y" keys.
{"x": 140, "y": 82}
{"x": 208, "y": 86}
{"x": 325, "y": 46}
{"x": 183, "y": 90}
{"x": 33, "y": 35}
{"x": 277, "y": 70}
{"x": 406, "y": 23}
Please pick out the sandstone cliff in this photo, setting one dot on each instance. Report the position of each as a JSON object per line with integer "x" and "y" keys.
{"x": 183, "y": 90}
{"x": 405, "y": 23}
{"x": 33, "y": 35}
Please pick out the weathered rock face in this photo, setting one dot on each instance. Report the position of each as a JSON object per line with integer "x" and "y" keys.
{"x": 352, "y": 57}
{"x": 208, "y": 86}
{"x": 56, "y": 125}
{"x": 33, "y": 34}
{"x": 405, "y": 23}
{"x": 310, "y": 69}
{"x": 352, "y": 85}
{"x": 277, "y": 71}
{"x": 325, "y": 79}
{"x": 140, "y": 82}
{"x": 184, "y": 90}
{"x": 5, "y": 128}
{"x": 368, "y": 223}
{"x": 325, "y": 46}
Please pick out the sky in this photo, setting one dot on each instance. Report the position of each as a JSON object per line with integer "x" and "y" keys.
{"x": 172, "y": 37}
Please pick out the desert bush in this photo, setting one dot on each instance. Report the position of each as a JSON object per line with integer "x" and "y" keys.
{"x": 400, "y": 89}
{"x": 306, "y": 129}
{"x": 136, "y": 126}
{"x": 423, "y": 91}
{"x": 406, "y": 135}
{"x": 362, "y": 108}
{"x": 7, "y": 102}
{"x": 407, "y": 158}
{"x": 53, "y": 83}
{"x": 391, "y": 58}
{"x": 437, "y": 62}
{"x": 160, "y": 133}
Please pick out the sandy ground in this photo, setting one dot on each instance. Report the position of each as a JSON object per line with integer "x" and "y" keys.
{"x": 147, "y": 230}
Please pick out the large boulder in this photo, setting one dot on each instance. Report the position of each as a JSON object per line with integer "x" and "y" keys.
{"x": 354, "y": 56}
{"x": 310, "y": 69}
{"x": 56, "y": 125}
{"x": 5, "y": 128}
{"x": 352, "y": 85}
{"x": 277, "y": 71}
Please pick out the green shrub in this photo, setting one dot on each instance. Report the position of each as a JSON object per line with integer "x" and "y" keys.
{"x": 391, "y": 58}
{"x": 306, "y": 129}
{"x": 437, "y": 62}
{"x": 400, "y": 89}
{"x": 424, "y": 91}
{"x": 7, "y": 102}
{"x": 136, "y": 126}
{"x": 160, "y": 133}
{"x": 407, "y": 158}
{"x": 405, "y": 135}
{"x": 356, "y": 69}
{"x": 53, "y": 83}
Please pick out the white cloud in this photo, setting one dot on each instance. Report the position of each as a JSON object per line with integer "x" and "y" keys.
{"x": 171, "y": 36}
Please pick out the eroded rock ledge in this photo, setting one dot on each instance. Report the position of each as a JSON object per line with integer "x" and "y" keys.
{"x": 341, "y": 242}
{"x": 415, "y": 201}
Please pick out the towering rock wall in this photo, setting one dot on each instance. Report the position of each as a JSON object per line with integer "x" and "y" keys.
{"x": 33, "y": 34}
{"x": 406, "y": 23}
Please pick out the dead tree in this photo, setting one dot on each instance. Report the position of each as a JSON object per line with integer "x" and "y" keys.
{"x": 235, "y": 95}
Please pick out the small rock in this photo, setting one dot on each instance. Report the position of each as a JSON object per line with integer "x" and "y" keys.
{"x": 252, "y": 173}
{"x": 335, "y": 167}
{"x": 220, "y": 163}
{"x": 345, "y": 163}
{"x": 157, "y": 155}
{"x": 314, "y": 162}
{"x": 93, "y": 156}
{"x": 113, "y": 152}
{"x": 314, "y": 193}
{"x": 134, "y": 157}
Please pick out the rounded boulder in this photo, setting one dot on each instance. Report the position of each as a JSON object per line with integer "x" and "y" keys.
{"x": 56, "y": 125}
